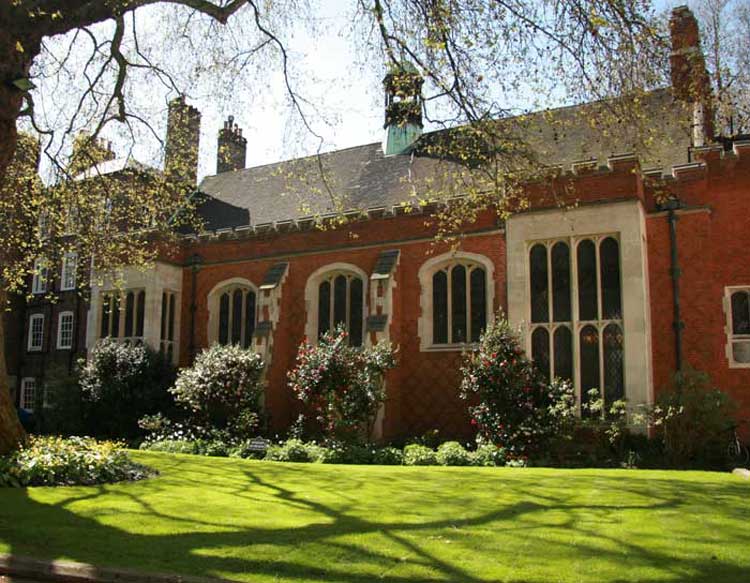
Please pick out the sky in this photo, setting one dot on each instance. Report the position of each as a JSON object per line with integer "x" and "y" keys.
{"x": 344, "y": 99}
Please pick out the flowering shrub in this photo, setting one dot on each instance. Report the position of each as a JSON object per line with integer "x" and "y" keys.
{"x": 56, "y": 461}
{"x": 222, "y": 389}
{"x": 341, "y": 385}
{"x": 512, "y": 404}
{"x": 119, "y": 384}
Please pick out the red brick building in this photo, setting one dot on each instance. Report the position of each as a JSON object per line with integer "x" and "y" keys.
{"x": 644, "y": 274}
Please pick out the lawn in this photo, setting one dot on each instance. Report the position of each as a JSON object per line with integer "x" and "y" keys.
{"x": 261, "y": 521}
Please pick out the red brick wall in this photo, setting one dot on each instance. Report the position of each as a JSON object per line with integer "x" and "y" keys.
{"x": 713, "y": 254}
{"x": 422, "y": 391}
{"x": 422, "y": 395}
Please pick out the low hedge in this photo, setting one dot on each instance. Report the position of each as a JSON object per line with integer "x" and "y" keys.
{"x": 295, "y": 450}
{"x": 56, "y": 461}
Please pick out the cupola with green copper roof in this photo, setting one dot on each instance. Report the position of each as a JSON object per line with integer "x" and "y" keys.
{"x": 403, "y": 108}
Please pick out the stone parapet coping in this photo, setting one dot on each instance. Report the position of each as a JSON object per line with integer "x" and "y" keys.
{"x": 16, "y": 568}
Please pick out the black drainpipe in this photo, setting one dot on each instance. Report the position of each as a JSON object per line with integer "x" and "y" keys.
{"x": 672, "y": 206}
{"x": 195, "y": 262}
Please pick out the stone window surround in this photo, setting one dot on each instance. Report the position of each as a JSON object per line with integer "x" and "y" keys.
{"x": 731, "y": 338}
{"x": 213, "y": 298}
{"x": 160, "y": 277}
{"x": 627, "y": 219}
{"x": 30, "y": 345}
{"x": 61, "y": 315}
{"x": 426, "y": 271}
{"x": 119, "y": 297}
{"x": 311, "y": 296}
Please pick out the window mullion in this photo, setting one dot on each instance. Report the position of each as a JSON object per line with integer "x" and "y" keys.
{"x": 598, "y": 271}
{"x": 243, "y": 314}
{"x": 332, "y": 304}
{"x": 600, "y": 327}
{"x": 467, "y": 302}
{"x": 575, "y": 314}
{"x": 348, "y": 303}
{"x": 550, "y": 315}
{"x": 449, "y": 306}
{"x": 599, "y": 315}
{"x": 230, "y": 316}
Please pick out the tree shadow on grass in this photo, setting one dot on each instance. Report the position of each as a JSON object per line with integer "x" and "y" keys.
{"x": 336, "y": 541}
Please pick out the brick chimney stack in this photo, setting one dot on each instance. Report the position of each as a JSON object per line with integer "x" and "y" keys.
{"x": 232, "y": 148}
{"x": 183, "y": 138}
{"x": 690, "y": 80}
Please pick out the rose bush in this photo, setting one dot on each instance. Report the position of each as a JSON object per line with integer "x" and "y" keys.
{"x": 341, "y": 385}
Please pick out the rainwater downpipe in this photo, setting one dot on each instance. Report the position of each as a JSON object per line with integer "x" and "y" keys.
{"x": 195, "y": 262}
{"x": 674, "y": 269}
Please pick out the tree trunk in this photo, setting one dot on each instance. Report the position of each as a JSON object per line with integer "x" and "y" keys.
{"x": 11, "y": 431}
{"x": 13, "y": 64}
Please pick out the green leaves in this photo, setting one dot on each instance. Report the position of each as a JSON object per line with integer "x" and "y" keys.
{"x": 57, "y": 461}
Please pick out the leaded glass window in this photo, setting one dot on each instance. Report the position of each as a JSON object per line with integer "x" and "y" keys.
{"x": 440, "y": 307}
{"x": 167, "y": 328}
{"x": 122, "y": 315}
{"x": 575, "y": 313}
{"x": 341, "y": 301}
{"x": 237, "y": 316}
{"x": 459, "y": 303}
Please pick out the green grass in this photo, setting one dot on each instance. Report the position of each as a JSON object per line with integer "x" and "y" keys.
{"x": 260, "y": 521}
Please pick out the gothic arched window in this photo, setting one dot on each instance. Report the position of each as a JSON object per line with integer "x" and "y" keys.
{"x": 237, "y": 315}
{"x": 575, "y": 310}
{"x": 459, "y": 303}
{"x": 341, "y": 301}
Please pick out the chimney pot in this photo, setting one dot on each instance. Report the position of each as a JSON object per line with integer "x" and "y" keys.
{"x": 231, "y": 148}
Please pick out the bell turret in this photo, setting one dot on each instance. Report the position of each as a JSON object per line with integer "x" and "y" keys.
{"x": 403, "y": 108}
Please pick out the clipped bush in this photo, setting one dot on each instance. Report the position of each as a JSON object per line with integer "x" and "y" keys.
{"x": 419, "y": 455}
{"x": 292, "y": 450}
{"x": 341, "y": 385}
{"x": 56, "y": 461}
{"x": 120, "y": 383}
{"x": 452, "y": 453}
{"x": 344, "y": 453}
{"x": 222, "y": 389}
{"x": 388, "y": 456}
{"x": 511, "y": 403}
{"x": 170, "y": 446}
{"x": 488, "y": 455}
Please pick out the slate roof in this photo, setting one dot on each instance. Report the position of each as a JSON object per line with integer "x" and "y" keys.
{"x": 363, "y": 178}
